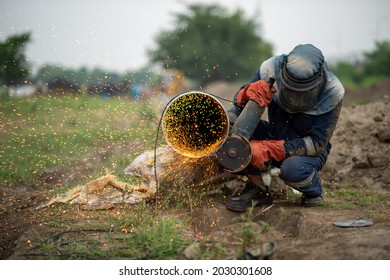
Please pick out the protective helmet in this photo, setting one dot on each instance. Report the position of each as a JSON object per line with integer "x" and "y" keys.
{"x": 302, "y": 78}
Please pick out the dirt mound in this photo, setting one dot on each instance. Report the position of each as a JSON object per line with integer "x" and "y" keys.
{"x": 361, "y": 146}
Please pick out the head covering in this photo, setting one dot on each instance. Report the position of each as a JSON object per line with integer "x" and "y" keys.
{"x": 301, "y": 78}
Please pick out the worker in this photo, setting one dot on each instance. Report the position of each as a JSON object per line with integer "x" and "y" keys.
{"x": 304, "y": 105}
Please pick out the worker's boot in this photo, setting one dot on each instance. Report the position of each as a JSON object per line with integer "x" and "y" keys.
{"x": 312, "y": 201}
{"x": 251, "y": 195}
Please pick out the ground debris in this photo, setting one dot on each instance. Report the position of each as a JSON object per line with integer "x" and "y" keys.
{"x": 103, "y": 193}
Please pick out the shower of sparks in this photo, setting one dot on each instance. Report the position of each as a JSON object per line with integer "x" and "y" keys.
{"x": 187, "y": 171}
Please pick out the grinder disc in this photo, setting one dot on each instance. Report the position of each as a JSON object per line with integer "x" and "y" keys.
{"x": 235, "y": 154}
{"x": 353, "y": 223}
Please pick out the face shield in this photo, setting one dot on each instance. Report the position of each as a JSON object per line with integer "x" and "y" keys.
{"x": 299, "y": 94}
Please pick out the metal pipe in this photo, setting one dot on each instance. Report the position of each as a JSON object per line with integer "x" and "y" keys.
{"x": 195, "y": 124}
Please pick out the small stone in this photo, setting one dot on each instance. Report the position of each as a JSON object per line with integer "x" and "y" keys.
{"x": 361, "y": 165}
{"x": 386, "y": 99}
{"x": 378, "y": 161}
{"x": 192, "y": 252}
{"x": 359, "y": 158}
{"x": 384, "y": 135}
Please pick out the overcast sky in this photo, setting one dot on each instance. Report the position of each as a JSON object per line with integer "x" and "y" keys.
{"x": 114, "y": 35}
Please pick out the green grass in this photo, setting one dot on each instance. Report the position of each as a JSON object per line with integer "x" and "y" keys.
{"x": 57, "y": 136}
{"x": 350, "y": 198}
{"x": 130, "y": 232}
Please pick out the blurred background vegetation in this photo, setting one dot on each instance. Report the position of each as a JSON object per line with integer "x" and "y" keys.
{"x": 207, "y": 44}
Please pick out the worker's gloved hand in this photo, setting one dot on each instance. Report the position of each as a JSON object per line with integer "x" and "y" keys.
{"x": 259, "y": 92}
{"x": 265, "y": 150}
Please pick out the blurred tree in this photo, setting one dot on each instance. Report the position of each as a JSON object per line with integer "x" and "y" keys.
{"x": 14, "y": 68}
{"x": 143, "y": 76}
{"x": 374, "y": 67}
{"x": 378, "y": 61}
{"x": 96, "y": 80}
{"x": 48, "y": 73}
{"x": 350, "y": 73}
{"x": 209, "y": 44}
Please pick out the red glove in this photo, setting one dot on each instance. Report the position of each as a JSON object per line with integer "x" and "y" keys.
{"x": 264, "y": 150}
{"x": 259, "y": 91}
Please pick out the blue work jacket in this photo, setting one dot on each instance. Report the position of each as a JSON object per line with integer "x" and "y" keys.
{"x": 305, "y": 133}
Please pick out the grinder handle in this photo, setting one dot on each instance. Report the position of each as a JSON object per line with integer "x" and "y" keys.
{"x": 271, "y": 81}
{"x": 248, "y": 120}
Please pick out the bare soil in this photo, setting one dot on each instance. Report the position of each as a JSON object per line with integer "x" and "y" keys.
{"x": 359, "y": 160}
{"x": 303, "y": 233}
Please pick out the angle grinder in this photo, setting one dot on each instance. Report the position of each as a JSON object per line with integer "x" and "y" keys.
{"x": 235, "y": 153}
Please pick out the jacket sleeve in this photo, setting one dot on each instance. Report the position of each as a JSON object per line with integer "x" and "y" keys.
{"x": 315, "y": 142}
